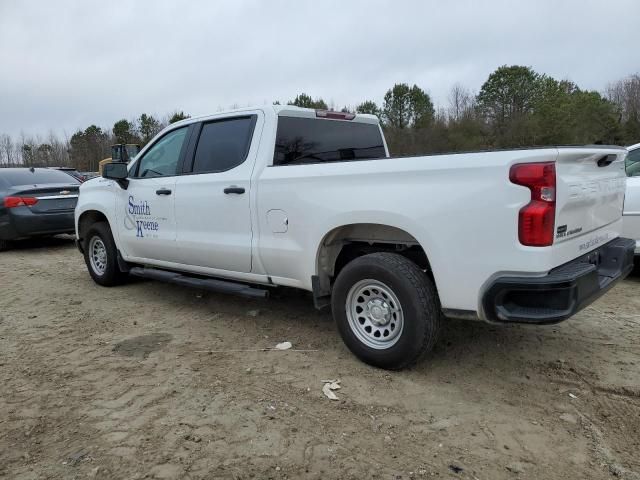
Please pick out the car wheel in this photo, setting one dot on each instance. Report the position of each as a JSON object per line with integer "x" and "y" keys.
{"x": 387, "y": 310}
{"x": 101, "y": 256}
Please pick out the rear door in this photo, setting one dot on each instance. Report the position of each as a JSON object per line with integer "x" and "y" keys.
{"x": 213, "y": 202}
{"x": 145, "y": 210}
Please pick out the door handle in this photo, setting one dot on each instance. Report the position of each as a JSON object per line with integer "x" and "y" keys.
{"x": 234, "y": 189}
{"x": 163, "y": 191}
{"x": 606, "y": 160}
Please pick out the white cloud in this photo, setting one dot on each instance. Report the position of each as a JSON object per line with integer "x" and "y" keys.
{"x": 65, "y": 65}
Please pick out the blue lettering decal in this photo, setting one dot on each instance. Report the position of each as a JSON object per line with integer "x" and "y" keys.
{"x": 140, "y": 207}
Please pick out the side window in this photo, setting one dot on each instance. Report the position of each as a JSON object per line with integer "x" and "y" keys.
{"x": 310, "y": 140}
{"x": 162, "y": 158}
{"x": 633, "y": 163}
{"x": 223, "y": 144}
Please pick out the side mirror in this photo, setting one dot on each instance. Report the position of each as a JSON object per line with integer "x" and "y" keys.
{"x": 116, "y": 171}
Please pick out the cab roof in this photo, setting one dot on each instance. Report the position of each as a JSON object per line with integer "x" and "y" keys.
{"x": 288, "y": 111}
{"x": 293, "y": 111}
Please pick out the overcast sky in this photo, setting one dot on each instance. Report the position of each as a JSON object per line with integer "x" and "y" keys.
{"x": 67, "y": 64}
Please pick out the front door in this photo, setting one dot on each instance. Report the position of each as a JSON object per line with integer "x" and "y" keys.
{"x": 146, "y": 209}
{"x": 213, "y": 198}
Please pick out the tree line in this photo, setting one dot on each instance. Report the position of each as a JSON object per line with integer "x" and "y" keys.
{"x": 515, "y": 107}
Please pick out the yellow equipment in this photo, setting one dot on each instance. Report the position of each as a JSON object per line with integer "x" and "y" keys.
{"x": 120, "y": 152}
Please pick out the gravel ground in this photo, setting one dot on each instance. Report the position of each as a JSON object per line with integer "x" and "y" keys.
{"x": 117, "y": 383}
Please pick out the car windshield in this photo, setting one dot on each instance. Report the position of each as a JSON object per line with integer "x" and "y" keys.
{"x": 36, "y": 176}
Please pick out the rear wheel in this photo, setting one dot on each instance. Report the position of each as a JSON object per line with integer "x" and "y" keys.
{"x": 101, "y": 256}
{"x": 386, "y": 309}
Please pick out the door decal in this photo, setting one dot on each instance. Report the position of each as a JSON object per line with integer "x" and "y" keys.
{"x": 138, "y": 217}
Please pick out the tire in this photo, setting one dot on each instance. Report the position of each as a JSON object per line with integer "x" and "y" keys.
{"x": 388, "y": 294}
{"x": 4, "y": 245}
{"x": 101, "y": 256}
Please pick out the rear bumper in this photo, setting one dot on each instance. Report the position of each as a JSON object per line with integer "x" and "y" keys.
{"x": 21, "y": 222}
{"x": 563, "y": 291}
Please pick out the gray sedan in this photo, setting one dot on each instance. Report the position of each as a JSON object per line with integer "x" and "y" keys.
{"x": 35, "y": 202}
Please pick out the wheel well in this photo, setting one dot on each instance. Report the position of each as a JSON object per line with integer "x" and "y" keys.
{"x": 87, "y": 219}
{"x": 346, "y": 243}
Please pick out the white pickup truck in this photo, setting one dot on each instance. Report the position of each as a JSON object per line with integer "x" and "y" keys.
{"x": 251, "y": 199}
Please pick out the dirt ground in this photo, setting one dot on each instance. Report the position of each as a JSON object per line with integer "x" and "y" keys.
{"x": 112, "y": 383}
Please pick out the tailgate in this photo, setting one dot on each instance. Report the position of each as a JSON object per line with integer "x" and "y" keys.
{"x": 590, "y": 192}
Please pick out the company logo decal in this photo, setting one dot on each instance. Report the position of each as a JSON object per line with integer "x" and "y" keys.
{"x": 138, "y": 217}
{"x": 597, "y": 188}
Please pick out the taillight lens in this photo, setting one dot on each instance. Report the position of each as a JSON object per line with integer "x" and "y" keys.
{"x": 536, "y": 220}
{"x": 12, "y": 202}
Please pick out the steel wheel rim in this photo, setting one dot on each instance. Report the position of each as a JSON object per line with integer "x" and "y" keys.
{"x": 98, "y": 255}
{"x": 374, "y": 314}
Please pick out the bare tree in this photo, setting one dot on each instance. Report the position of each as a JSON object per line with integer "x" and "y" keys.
{"x": 7, "y": 151}
{"x": 461, "y": 102}
{"x": 27, "y": 148}
{"x": 59, "y": 152}
{"x": 625, "y": 94}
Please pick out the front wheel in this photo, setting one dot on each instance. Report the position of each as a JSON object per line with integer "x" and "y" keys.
{"x": 386, "y": 309}
{"x": 101, "y": 256}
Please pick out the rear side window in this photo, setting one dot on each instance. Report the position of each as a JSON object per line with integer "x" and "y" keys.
{"x": 633, "y": 163}
{"x": 24, "y": 176}
{"x": 307, "y": 140}
{"x": 223, "y": 144}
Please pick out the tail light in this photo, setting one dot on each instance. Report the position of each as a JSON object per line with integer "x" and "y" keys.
{"x": 536, "y": 219}
{"x": 12, "y": 202}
